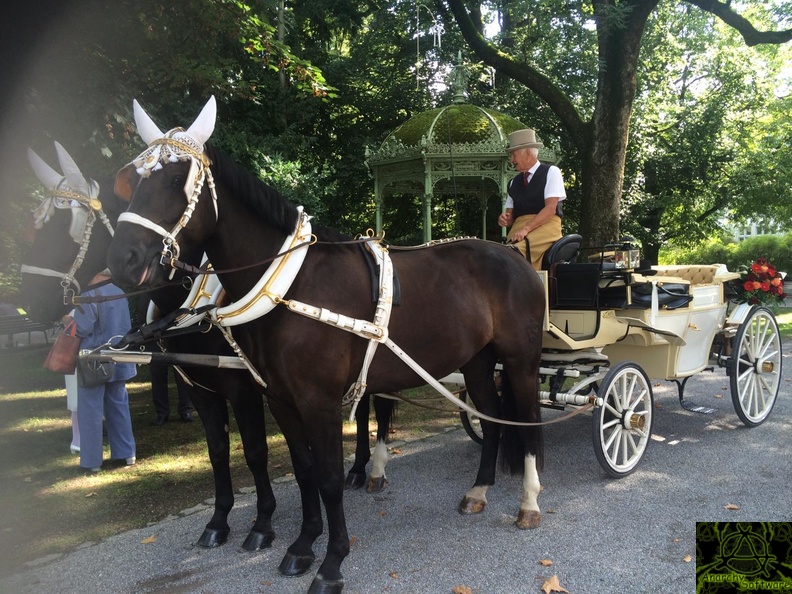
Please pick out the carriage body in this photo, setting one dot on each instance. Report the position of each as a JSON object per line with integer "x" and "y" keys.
{"x": 609, "y": 329}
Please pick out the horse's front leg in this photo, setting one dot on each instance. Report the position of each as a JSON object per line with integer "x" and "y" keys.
{"x": 213, "y": 412}
{"x": 248, "y": 406}
{"x": 325, "y": 431}
{"x": 300, "y": 556}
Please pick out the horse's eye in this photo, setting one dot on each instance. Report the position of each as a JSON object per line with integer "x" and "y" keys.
{"x": 177, "y": 181}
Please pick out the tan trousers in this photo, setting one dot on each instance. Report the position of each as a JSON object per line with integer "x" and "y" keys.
{"x": 539, "y": 239}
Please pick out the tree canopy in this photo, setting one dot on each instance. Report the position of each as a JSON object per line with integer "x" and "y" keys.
{"x": 669, "y": 116}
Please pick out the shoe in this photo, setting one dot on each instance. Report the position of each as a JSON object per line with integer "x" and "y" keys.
{"x": 186, "y": 417}
{"x": 74, "y": 449}
{"x": 160, "y": 420}
{"x": 131, "y": 461}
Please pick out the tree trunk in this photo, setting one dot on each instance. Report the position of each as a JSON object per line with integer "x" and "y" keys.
{"x": 619, "y": 33}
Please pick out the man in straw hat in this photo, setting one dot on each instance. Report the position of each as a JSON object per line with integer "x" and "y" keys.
{"x": 533, "y": 207}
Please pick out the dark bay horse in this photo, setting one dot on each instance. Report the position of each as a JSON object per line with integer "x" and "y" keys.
{"x": 51, "y": 256}
{"x": 464, "y": 305}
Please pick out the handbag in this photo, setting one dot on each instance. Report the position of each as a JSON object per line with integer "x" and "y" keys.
{"x": 62, "y": 357}
{"x": 92, "y": 373}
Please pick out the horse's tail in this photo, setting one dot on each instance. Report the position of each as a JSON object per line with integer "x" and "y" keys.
{"x": 516, "y": 442}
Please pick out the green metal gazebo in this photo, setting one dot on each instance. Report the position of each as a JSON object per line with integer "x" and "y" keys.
{"x": 456, "y": 149}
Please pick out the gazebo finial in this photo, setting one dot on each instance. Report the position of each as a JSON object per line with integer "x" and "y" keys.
{"x": 459, "y": 80}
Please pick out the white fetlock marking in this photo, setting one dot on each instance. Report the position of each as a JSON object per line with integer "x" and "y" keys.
{"x": 478, "y": 493}
{"x": 380, "y": 460}
{"x": 531, "y": 485}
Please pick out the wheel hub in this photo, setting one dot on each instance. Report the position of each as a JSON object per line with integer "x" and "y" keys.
{"x": 633, "y": 421}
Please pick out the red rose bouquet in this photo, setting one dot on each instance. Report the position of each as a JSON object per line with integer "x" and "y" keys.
{"x": 761, "y": 284}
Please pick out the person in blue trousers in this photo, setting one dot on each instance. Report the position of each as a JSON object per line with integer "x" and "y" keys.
{"x": 98, "y": 324}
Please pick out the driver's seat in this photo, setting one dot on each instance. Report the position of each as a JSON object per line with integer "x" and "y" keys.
{"x": 565, "y": 250}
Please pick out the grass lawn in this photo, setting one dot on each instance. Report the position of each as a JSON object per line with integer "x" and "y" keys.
{"x": 784, "y": 319}
{"x": 51, "y": 506}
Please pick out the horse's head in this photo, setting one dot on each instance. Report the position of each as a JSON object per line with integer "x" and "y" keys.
{"x": 73, "y": 226}
{"x": 172, "y": 200}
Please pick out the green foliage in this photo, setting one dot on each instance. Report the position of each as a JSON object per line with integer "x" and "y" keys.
{"x": 776, "y": 249}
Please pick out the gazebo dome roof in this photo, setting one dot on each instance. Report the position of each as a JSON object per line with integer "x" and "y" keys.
{"x": 459, "y": 127}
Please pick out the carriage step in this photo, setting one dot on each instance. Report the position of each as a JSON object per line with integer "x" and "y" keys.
{"x": 687, "y": 405}
{"x": 551, "y": 404}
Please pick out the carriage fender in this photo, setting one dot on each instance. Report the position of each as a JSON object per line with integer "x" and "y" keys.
{"x": 671, "y": 337}
{"x": 739, "y": 314}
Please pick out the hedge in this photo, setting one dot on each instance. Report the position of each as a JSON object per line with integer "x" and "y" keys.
{"x": 776, "y": 249}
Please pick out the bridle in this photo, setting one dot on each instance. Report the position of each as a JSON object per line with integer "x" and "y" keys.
{"x": 170, "y": 149}
{"x": 63, "y": 197}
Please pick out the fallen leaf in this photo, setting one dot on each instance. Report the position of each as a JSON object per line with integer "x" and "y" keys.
{"x": 149, "y": 539}
{"x": 394, "y": 575}
{"x": 551, "y": 585}
{"x": 266, "y": 583}
{"x": 718, "y": 395}
{"x": 352, "y": 541}
{"x": 382, "y": 514}
{"x": 545, "y": 562}
{"x": 396, "y": 451}
{"x": 687, "y": 558}
{"x": 731, "y": 506}
{"x": 550, "y": 511}
{"x": 462, "y": 590}
{"x": 91, "y": 494}
{"x": 239, "y": 447}
{"x": 676, "y": 540}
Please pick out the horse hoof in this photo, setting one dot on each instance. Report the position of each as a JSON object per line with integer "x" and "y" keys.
{"x": 355, "y": 481}
{"x": 376, "y": 485}
{"x": 528, "y": 519}
{"x": 212, "y": 538}
{"x": 257, "y": 541}
{"x": 294, "y": 565}
{"x": 469, "y": 506}
{"x": 322, "y": 586}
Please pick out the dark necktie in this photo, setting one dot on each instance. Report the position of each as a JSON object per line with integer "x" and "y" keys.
{"x": 526, "y": 175}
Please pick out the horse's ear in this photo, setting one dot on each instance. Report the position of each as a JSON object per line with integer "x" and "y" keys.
{"x": 123, "y": 183}
{"x": 50, "y": 178}
{"x": 204, "y": 124}
{"x": 146, "y": 127}
{"x": 71, "y": 171}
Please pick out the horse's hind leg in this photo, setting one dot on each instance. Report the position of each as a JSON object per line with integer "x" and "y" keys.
{"x": 383, "y": 409}
{"x": 480, "y": 384}
{"x": 356, "y": 477}
{"x": 529, "y": 515}
{"x": 523, "y": 447}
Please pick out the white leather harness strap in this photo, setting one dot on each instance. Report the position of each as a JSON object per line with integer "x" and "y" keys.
{"x": 375, "y": 331}
{"x": 273, "y": 284}
{"x": 25, "y": 269}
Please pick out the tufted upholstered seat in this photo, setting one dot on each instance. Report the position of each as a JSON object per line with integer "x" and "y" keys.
{"x": 697, "y": 275}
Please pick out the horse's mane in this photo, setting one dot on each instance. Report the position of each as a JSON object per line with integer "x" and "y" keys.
{"x": 265, "y": 201}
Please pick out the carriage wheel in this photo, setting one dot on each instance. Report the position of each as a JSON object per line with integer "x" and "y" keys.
{"x": 623, "y": 424}
{"x": 755, "y": 367}
{"x": 471, "y": 424}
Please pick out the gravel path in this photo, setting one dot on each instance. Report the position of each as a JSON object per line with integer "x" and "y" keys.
{"x": 602, "y": 535}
